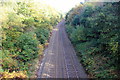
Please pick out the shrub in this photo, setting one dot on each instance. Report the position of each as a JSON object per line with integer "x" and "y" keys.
{"x": 78, "y": 34}
{"x": 42, "y": 34}
{"x": 27, "y": 45}
{"x": 8, "y": 63}
{"x": 76, "y": 20}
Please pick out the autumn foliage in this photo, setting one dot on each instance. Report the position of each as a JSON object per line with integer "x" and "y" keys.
{"x": 25, "y": 27}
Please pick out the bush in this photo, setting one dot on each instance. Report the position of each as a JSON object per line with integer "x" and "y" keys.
{"x": 42, "y": 34}
{"x": 76, "y": 20}
{"x": 27, "y": 45}
{"x": 8, "y": 63}
{"x": 78, "y": 35}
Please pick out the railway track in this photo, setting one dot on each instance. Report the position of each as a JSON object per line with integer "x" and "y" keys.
{"x": 60, "y": 60}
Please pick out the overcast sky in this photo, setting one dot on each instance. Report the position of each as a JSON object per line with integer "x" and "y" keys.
{"x": 63, "y": 5}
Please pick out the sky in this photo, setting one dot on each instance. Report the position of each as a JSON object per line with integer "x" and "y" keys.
{"x": 62, "y": 5}
{"x": 65, "y": 5}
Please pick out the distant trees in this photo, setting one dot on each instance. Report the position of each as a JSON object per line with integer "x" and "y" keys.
{"x": 94, "y": 33}
{"x": 73, "y": 12}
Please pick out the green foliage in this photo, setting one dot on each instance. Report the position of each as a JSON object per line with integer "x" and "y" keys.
{"x": 29, "y": 21}
{"x": 73, "y": 15}
{"x": 27, "y": 44}
{"x": 76, "y": 20}
{"x": 78, "y": 34}
{"x": 42, "y": 35}
{"x": 95, "y": 37}
{"x": 88, "y": 11}
{"x": 25, "y": 28}
{"x": 8, "y": 63}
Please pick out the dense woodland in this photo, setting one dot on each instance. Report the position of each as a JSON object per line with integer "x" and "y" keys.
{"x": 94, "y": 30}
{"x": 25, "y": 27}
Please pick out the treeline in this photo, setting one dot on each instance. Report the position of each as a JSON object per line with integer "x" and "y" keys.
{"x": 94, "y": 31}
{"x": 25, "y": 27}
